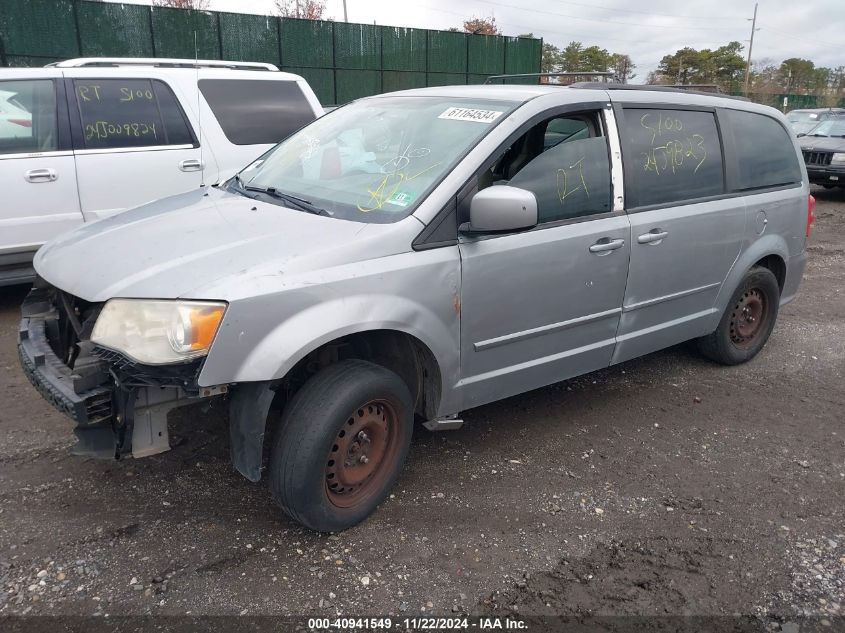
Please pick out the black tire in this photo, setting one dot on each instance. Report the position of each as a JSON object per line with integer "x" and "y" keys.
{"x": 740, "y": 336}
{"x": 310, "y": 485}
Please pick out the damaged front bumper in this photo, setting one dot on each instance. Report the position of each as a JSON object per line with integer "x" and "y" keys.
{"x": 120, "y": 407}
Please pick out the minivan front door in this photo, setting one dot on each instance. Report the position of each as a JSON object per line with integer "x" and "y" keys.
{"x": 543, "y": 305}
{"x": 37, "y": 171}
{"x": 685, "y": 234}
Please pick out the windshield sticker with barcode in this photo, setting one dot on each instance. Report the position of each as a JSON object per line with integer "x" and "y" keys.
{"x": 471, "y": 114}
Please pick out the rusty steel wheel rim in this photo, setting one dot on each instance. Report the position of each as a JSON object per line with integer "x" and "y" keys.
{"x": 362, "y": 456}
{"x": 748, "y": 317}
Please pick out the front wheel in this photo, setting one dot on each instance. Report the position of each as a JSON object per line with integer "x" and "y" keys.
{"x": 747, "y": 322}
{"x": 342, "y": 442}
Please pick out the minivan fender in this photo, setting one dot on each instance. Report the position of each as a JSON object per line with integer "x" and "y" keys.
{"x": 277, "y": 352}
{"x": 268, "y": 362}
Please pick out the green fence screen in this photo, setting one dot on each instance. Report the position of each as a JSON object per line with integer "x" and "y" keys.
{"x": 341, "y": 61}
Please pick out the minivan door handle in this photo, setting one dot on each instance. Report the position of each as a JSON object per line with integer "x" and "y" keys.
{"x": 652, "y": 237}
{"x": 40, "y": 175}
{"x": 605, "y": 245}
{"x": 192, "y": 164}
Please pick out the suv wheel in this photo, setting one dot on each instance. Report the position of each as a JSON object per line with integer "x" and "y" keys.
{"x": 342, "y": 442}
{"x": 747, "y": 322}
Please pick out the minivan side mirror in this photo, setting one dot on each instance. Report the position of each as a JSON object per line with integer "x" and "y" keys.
{"x": 501, "y": 208}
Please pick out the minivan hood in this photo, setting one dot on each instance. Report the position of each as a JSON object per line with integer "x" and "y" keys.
{"x": 169, "y": 247}
{"x": 822, "y": 143}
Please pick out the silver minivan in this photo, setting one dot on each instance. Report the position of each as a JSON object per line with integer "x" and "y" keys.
{"x": 410, "y": 256}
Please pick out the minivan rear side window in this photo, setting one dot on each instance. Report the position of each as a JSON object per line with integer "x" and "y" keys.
{"x": 254, "y": 111}
{"x": 28, "y": 116}
{"x": 765, "y": 153}
{"x": 674, "y": 156}
{"x": 122, "y": 113}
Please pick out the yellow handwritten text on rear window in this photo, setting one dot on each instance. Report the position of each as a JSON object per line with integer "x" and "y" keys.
{"x": 672, "y": 149}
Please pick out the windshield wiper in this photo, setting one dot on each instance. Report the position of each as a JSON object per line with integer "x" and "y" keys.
{"x": 294, "y": 201}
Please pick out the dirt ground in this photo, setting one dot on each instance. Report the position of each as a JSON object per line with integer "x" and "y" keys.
{"x": 664, "y": 486}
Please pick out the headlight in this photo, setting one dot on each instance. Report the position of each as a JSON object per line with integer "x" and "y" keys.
{"x": 158, "y": 332}
{"x": 838, "y": 159}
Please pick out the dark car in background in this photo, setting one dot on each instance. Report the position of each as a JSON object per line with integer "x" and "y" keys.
{"x": 824, "y": 153}
{"x": 803, "y": 120}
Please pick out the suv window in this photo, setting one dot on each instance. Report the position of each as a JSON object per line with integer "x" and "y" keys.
{"x": 564, "y": 162}
{"x": 252, "y": 111}
{"x": 675, "y": 155}
{"x": 121, "y": 113}
{"x": 765, "y": 153}
{"x": 28, "y": 117}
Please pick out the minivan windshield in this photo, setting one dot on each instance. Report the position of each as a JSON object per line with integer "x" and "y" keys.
{"x": 831, "y": 127}
{"x": 373, "y": 160}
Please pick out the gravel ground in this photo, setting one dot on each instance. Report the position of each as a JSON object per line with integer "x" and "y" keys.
{"x": 664, "y": 486}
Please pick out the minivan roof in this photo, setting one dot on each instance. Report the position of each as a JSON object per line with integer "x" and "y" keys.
{"x": 522, "y": 93}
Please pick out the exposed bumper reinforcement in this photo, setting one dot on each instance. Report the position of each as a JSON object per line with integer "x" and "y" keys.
{"x": 55, "y": 381}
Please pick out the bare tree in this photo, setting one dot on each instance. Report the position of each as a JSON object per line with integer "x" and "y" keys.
{"x": 482, "y": 26}
{"x": 622, "y": 65}
{"x": 306, "y": 9}
{"x": 196, "y": 5}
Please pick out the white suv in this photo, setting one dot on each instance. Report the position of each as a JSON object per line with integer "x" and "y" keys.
{"x": 88, "y": 138}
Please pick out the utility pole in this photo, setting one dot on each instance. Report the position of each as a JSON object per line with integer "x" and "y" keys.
{"x": 680, "y": 62}
{"x": 750, "y": 46}
{"x": 345, "y": 17}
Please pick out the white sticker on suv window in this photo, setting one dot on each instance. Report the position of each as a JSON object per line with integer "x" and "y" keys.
{"x": 471, "y": 114}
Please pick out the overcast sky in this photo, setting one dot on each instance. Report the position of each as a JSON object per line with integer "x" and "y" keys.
{"x": 812, "y": 29}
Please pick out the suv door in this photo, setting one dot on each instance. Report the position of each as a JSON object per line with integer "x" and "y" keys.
{"x": 685, "y": 232}
{"x": 132, "y": 143}
{"x": 37, "y": 173}
{"x": 543, "y": 305}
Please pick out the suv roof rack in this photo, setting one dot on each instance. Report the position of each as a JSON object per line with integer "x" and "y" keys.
{"x": 161, "y": 62}
{"x": 655, "y": 88}
{"x": 597, "y": 74}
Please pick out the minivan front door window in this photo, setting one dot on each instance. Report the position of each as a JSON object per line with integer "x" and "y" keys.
{"x": 570, "y": 180}
{"x": 564, "y": 162}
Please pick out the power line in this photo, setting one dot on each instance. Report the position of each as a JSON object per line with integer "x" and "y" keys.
{"x": 601, "y": 21}
{"x": 815, "y": 40}
{"x": 575, "y": 34}
{"x": 662, "y": 15}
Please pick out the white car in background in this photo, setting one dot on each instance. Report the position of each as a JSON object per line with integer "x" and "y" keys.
{"x": 84, "y": 139}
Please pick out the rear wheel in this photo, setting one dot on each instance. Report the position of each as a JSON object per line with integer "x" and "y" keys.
{"x": 342, "y": 442}
{"x": 747, "y": 322}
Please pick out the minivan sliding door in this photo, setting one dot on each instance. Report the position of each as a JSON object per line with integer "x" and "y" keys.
{"x": 686, "y": 232}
